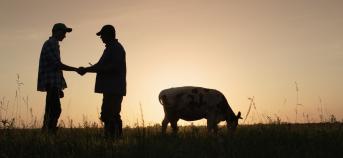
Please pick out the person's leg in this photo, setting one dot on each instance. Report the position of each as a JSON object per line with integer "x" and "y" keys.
{"x": 52, "y": 110}
{"x": 118, "y": 124}
{"x": 105, "y": 115}
{"x": 47, "y": 111}
{"x": 110, "y": 114}
{"x": 56, "y": 110}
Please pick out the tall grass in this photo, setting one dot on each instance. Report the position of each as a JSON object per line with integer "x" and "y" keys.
{"x": 283, "y": 140}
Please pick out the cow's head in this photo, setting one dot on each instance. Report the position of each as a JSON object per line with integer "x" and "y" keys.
{"x": 234, "y": 123}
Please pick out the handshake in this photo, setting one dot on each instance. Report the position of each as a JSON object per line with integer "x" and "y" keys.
{"x": 81, "y": 71}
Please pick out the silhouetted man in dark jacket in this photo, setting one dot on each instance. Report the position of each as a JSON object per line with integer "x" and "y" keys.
{"x": 110, "y": 80}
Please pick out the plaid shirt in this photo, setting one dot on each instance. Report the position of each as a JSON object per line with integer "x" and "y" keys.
{"x": 49, "y": 74}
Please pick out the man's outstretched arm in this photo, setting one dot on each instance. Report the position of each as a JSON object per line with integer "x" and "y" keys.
{"x": 67, "y": 68}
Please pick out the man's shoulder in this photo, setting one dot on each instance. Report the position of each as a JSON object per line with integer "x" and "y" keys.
{"x": 115, "y": 46}
{"x": 51, "y": 41}
{"x": 47, "y": 43}
{"x": 119, "y": 47}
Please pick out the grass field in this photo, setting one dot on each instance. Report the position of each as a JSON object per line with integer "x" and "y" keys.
{"x": 261, "y": 140}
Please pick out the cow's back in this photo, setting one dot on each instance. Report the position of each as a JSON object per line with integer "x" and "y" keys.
{"x": 183, "y": 97}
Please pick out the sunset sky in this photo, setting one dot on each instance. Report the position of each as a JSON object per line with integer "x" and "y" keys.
{"x": 242, "y": 48}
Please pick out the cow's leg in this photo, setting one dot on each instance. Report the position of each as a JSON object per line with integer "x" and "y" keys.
{"x": 173, "y": 124}
{"x": 215, "y": 126}
{"x": 210, "y": 125}
{"x": 228, "y": 125}
{"x": 165, "y": 125}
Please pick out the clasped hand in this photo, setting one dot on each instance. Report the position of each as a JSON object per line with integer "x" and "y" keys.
{"x": 81, "y": 71}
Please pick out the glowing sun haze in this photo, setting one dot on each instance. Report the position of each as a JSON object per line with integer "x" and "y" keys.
{"x": 242, "y": 48}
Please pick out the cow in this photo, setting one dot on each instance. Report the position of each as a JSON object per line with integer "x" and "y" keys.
{"x": 194, "y": 103}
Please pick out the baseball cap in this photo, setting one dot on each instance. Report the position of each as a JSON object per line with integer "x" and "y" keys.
{"x": 107, "y": 30}
{"x": 61, "y": 26}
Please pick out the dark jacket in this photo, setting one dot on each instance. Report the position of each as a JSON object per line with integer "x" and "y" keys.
{"x": 111, "y": 70}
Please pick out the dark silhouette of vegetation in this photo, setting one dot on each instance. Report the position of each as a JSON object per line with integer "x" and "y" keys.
{"x": 260, "y": 140}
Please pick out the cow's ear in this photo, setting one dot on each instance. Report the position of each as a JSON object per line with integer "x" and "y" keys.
{"x": 239, "y": 115}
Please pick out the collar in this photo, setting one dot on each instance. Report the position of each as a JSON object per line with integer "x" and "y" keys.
{"x": 111, "y": 43}
{"x": 54, "y": 40}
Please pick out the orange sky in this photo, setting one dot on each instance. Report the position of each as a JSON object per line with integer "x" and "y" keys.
{"x": 244, "y": 49}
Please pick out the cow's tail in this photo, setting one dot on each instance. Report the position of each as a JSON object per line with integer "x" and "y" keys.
{"x": 162, "y": 98}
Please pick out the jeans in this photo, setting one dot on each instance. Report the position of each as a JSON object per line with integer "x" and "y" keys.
{"x": 52, "y": 110}
{"x": 110, "y": 114}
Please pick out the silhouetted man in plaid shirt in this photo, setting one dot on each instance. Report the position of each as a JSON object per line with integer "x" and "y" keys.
{"x": 50, "y": 76}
